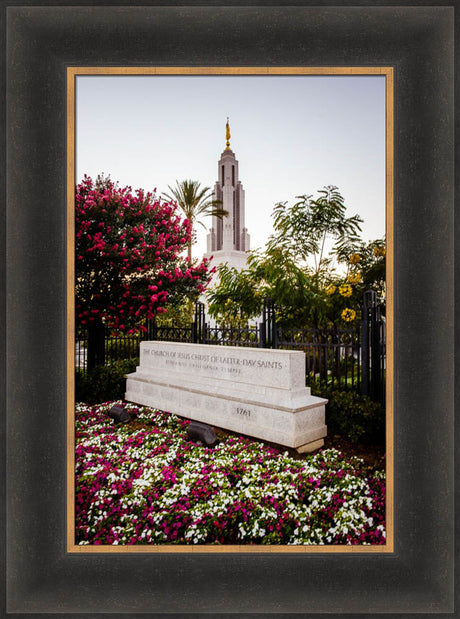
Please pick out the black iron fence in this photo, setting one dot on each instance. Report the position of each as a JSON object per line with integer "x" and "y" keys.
{"x": 231, "y": 336}
{"x": 115, "y": 348}
{"x": 343, "y": 358}
{"x": 332, "y": 357}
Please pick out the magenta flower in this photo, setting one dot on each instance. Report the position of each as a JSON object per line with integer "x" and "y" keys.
{"x": 144, "y": 483}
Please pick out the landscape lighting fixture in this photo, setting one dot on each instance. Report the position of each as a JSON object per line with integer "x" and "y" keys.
{"x": 119, "y": 414}
{"x": 201, "y": 433}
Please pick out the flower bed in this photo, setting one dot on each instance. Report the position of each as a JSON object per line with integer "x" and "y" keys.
{"x": 146, "y": 483}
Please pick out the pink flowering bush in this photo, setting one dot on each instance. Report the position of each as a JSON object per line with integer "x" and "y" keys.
{"x": 145, "y": 483}
{"x": 128, "y": 256}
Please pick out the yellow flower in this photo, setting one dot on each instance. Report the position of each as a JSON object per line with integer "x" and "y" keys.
{"x": 331, "y": 289}
{"x": 354, "y": 278}
{"x": 355, "y": 258}
{"x": 379, "y": 251}
{"x": 345, "y": 290}
{"x": 348, "y": 314}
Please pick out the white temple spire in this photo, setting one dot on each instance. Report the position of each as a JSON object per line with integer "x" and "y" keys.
{"x": 228, "y": 240}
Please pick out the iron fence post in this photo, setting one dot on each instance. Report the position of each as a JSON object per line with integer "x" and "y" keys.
{"x": 263, "y": 327}
{"x": 269, "y": 336}
{"x": 96, "y": 344}
{"x": 262, "y": 335}
{"x": 372, "y": 348}
{"x": 198, "y": 325}
{"x": 274, "y": 328}
{"x": 152, "y": 329}
{"x": 375, "y": 353}
{"x": 365, "y": 345}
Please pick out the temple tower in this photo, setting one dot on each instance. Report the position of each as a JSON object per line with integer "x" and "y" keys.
{"x": 228, "y": 240}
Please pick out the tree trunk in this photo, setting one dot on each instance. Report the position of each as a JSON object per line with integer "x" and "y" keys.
{"x": 96, "y": 344}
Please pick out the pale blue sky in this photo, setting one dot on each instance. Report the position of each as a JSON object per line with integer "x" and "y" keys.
{"x": 291, "y": 136}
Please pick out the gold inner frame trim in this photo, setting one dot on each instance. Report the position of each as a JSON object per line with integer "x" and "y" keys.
{"x": 388, "y": 73}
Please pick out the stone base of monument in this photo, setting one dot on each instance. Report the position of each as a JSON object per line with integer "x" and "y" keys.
{"x": 252, "y": 391}
{"x": 309, "y": 447}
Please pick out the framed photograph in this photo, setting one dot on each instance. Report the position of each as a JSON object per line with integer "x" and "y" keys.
{"x": 49, "y": 50}
{"x": 325, "y": 117}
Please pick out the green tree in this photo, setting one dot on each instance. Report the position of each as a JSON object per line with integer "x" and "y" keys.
{"x": 195, "y": 202}
{"x": 302, "y": 230}
{"x": 296, "y": 268}
{"x": 237, "y": 298}
{"x": 271, "y": 274}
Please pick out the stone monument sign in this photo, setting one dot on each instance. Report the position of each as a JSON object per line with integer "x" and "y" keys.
{"x": 254, "y": 391}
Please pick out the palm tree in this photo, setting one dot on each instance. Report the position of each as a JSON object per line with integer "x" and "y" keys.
{"x": 194, "y": 202}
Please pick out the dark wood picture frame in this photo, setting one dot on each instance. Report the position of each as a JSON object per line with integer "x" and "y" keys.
{"x": 41, "y": 576}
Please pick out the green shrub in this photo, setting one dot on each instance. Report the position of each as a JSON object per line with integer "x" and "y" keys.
{"x": 354, "y": 416}
{"x": 104, "y": 383}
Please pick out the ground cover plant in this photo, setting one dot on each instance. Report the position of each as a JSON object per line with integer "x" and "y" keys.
{"x": 146, "y": 483}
